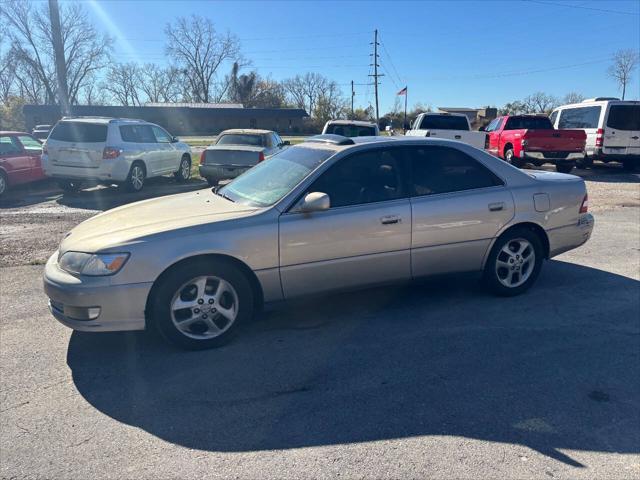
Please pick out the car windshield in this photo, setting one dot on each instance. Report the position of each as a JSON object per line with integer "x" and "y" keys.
{"x": 444, "y": 122}
{"x": 350, "y": 130}
{"x": 240, "y": 139}
{"x": 269, "y": 181}
{"x": 528, "y": 123}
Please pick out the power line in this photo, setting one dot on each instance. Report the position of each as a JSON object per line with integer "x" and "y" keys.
{"x": 386, "y": 52}
{"x": 595, "y": 9}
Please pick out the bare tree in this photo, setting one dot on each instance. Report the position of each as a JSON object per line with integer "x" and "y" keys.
{"x": 7, "y": 76}
{"x": 29, "y": 31}
{"x": 197, "y": 48}
{"x": 573, "y": 97}
{"x": 160, "y": 85}
{"x": 624, "y": 64}
{"x": 305, "y": 90}
{"x": 122, "y": 82}
{"x": 539, "y": 102}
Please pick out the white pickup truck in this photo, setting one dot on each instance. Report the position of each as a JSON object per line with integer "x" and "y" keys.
{"x": 451, "y": 126}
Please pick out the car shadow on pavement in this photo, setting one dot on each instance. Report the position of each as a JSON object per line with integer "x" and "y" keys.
{"x": 557, "y": 368}
{"x": 97, "y": 197}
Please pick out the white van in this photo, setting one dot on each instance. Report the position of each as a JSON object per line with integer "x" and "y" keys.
{"x": 612, "y": 127}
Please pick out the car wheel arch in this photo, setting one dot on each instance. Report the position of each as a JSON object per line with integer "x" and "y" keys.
{"x": 536, "y": 228}
{"x": 507, "y": 147}
{"x": 243, "y": 267}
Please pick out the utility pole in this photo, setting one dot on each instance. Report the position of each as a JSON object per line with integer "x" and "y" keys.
{"x": 58, "y": 48}
{"x": 375, "y": 70}
{"x": 353, "y": 94}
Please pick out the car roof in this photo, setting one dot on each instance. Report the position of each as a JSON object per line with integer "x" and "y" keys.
{"x": 103, "y": 120}
{"x": 379, "y": 140}
{"x": 591, "y": 103}
{"x": 359, "y": 123}
{"x": 253, "y": 131}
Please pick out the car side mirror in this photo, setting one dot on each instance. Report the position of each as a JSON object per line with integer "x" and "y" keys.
{"x": 482, "y": 129}
{"x": 286, "y": 143}
{"x": 175, "y": 139}
{"x": 315, "y": 202}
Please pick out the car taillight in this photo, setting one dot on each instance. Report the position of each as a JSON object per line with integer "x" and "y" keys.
{"x": 585, "y": 204}
{"x": 599, "y": 137}
{"x": 261, "y": 157}
{"x": 486, "y": 141}
{"x": 203, "y": 156}
{"x": 111, "y": 152}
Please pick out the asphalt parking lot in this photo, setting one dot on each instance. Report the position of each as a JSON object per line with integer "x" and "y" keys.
{"x": 437, "y": 379}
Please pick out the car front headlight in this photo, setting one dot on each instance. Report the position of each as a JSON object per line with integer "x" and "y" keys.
{"x": 93, "y": 264}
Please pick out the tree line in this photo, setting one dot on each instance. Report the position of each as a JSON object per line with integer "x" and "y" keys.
{"x": 205, "y": 66}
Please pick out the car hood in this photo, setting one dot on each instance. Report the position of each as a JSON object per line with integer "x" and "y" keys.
{"x": 137, "y": 221}
{"x": 241, "y": 148}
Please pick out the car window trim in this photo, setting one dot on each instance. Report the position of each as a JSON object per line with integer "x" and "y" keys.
{"x": 404, "y": 178}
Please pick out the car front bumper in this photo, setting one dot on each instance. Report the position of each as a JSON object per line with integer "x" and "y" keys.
{"x": 222, "y": 172}
{"x": 569, "y": 237}
{"x": 74, "y": 301}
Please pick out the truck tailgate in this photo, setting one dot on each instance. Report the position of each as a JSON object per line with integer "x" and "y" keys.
{"x": 555, "y": 140}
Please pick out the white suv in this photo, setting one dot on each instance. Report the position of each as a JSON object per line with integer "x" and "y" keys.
{"x": 612, "y": 127}
{"x": 112, "y": 150}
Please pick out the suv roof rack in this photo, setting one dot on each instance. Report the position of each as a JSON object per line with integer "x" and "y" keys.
{"x": 331, "y": 139}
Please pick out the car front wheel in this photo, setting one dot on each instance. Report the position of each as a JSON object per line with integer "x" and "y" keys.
{"x": 200, "y": 305}
{"x": 514, "y": 262}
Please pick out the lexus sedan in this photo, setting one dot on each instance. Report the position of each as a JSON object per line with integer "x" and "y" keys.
{"x": 330, "y": 214}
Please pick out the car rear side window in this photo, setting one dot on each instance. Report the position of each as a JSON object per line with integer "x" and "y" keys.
{"x": 579, "y": 117}
{"x": 444, "y": 122}
{"x": 30, "y": 144}
{"x": 624, "y": 117}
{"x": 351, "y": 130}
{"x": 9, "y": 146}
{"x": 444, "y": 170}
{"x": 528, "y": 123}
{"x": 367, "y": 177}
{"x": 79, "y": 132}
{"x": 137, "y": 134}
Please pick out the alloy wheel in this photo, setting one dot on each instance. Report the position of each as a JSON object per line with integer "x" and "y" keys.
{"x": 137, "y": 177}
{"x": 515, "y": 262}
{"x": 204, "y": 307}
{"x": 3, "y": 184}
{"x": 185, "y": 169}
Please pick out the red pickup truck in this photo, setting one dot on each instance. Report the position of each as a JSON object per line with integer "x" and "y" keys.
{"x": 519, "y": 139}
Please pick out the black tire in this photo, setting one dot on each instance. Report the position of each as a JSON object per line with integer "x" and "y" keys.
{"x": 564, "y": 167}
{"x": 584, "y": 162}
{"x": 630, "y": 165}
{"x": 212, "y": 182}
{"x": 184, "y": 170}
{"x": 70, "y": 186}
{"x": 4, "y": 183}
{"x": 492, "y": 274}
{"x": 509, "y": 157}
{"x": 176, "y": 282}
{"x": 136, "y": 179}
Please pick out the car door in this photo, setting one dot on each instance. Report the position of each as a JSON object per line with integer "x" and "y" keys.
{"x": 167, "y": 153}
{"x": 494, "y": 136}
{"x": 33, "y": 148}
{"x": 14, "y": 160}
{"x": 362, "y": 239}
{"x": 622, "y": 130}
{"x": 457, "y": 207}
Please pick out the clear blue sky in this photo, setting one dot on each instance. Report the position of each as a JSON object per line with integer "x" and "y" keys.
{"x": 456, "y": 53}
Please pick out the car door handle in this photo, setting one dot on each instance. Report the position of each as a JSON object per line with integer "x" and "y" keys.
{"x": 458, "y": 137}
{"x": 496, "y": 207}
{"x": 390, "y": 220}
{"x": 635, "y": 137}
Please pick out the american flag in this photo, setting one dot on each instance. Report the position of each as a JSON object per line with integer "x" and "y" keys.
{"x": 403, "y": 91}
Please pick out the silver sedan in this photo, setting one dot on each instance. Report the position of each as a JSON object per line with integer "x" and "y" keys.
{"x": 331, "y": 214}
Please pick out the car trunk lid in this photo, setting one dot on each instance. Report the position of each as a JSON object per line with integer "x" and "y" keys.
{"x": 232, "y": 155}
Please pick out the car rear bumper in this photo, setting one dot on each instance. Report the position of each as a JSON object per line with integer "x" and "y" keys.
{"x": 540, "y": 157}
{"x": 115, "y": 170}
{"x": 222, "y": 172}
{"x": 569, "y": 237}
{"x": 74, "y": 301}
{"x": 614, "y": 154}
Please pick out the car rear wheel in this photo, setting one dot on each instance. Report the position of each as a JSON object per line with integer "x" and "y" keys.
{"x": 514, "y": 262}
{"x": 184, "y": 171}
{"x": 69, "y": 185}
{"x": 200, "y": 305}
{"x": 3, "y": 183}
{"x": 512, "y": 159}
{"x": 136, "y": 178}
{"x": 584, "y": 162}
{"x": 564, "y": 167}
